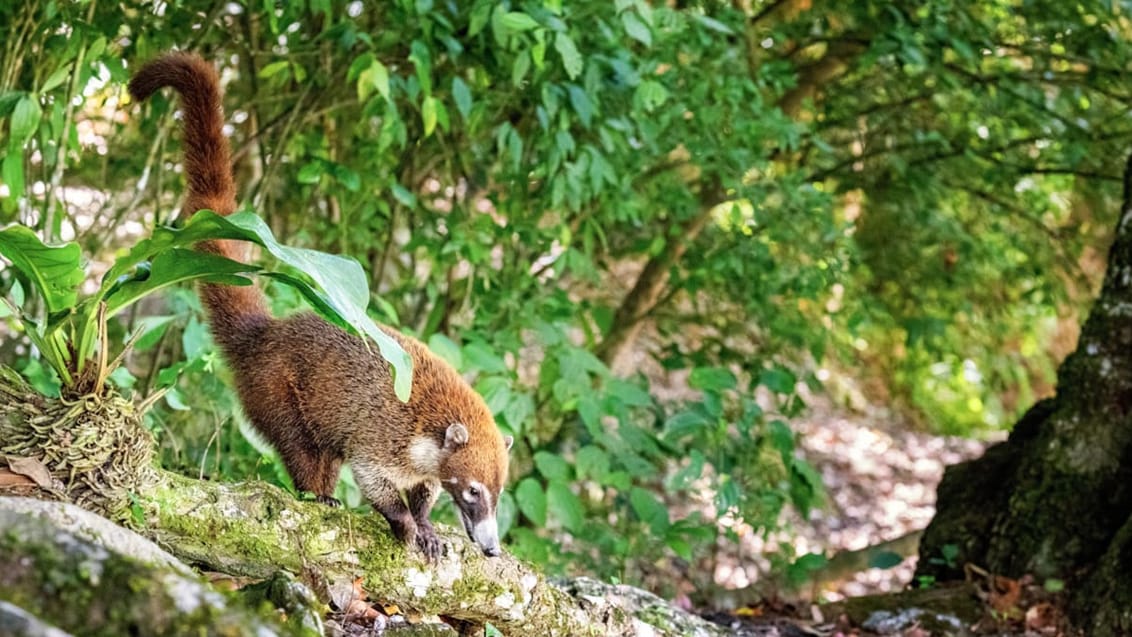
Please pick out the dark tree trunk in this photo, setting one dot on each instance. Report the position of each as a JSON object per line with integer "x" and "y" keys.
{"x": 1055, "y": 499}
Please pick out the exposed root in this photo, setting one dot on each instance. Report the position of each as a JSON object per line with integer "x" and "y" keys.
{"x": 93, "y": 444}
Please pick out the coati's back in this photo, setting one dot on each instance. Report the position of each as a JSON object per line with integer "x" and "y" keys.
{"x": 344, "y": 390}
{"x": 315, "y": 376}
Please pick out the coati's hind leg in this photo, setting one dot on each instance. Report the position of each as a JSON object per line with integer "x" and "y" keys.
{"x": 421, "y": 498}
{"x": 313, "y": 472}
{"x": 329, "y": 466}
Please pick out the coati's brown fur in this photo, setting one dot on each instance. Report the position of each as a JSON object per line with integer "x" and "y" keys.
{"x": 316, "y": 392}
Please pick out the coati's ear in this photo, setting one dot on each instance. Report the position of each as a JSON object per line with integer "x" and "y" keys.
{"x": 456, "y": 436}
{"x": 508, "y": 441}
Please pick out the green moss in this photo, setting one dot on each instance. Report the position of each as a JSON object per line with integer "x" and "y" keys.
{"x": 654, "y": 617}
{"x": 82, "y": 587}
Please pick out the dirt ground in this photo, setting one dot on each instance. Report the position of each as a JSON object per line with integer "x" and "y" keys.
{"x": 880, "y": 479}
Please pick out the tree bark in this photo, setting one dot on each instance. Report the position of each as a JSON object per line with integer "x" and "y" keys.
{"x": 1055, "y": 499}
{"x": 64, "y": 570}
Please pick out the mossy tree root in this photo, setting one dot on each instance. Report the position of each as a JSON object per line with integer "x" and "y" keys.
{"x": 254, "y": 529}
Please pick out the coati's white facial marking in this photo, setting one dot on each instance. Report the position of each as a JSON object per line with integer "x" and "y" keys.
{"x": 425, "y": 456}
{"x": 476, "y": 492}
{"x": 476, "y": 506}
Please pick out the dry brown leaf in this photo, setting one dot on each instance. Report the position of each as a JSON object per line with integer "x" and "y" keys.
{"x": 391, "y": 609}
{"x": 225, "y": 581}
{"x": 344, "y": 591}
{"x": 749, "y": 611}
{"x": 816, "y": 615}
{"x": 1042, "y": 617}
{"x": 1005, "y": 593}
{"x": 33, "y": 469}
{"x": 12, "y": 479}
{"x": 358, "y": 608}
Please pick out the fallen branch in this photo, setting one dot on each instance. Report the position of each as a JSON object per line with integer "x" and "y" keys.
{"x": 255, "y": 530}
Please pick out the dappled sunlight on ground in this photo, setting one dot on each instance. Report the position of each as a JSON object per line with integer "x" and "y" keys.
{"x": 880, "y": 482}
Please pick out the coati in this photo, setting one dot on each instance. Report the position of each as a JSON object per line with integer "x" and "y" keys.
{"x": 316, "y": 392}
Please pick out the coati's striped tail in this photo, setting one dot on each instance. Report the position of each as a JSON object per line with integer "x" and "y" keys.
{"x": 236, "y": 312}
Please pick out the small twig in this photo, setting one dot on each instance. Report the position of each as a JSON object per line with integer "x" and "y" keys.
{"x": 151, "y": 374}
{"x": 766, "y": 11}
{"x": 55, "y": 199}
{"x": 149, "y": 401}
{"x": 275, "y": 161}
{"x": 150, "y": 160}
{"x": 204, "y": 456}
{"x": 125, "y": 350}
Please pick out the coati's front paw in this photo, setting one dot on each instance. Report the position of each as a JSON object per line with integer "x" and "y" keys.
{"x": 329, "y": 501}
{"x": 428, "y": 542}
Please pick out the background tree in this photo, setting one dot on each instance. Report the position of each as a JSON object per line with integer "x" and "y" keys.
{"x": 1054, "y": 500}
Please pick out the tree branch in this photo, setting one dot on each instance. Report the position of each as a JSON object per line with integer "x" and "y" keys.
{"x": 838, "y": 57}
{"x": 649, "y": 287}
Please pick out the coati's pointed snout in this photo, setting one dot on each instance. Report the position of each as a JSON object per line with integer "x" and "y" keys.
{"x": 484, "y": 532}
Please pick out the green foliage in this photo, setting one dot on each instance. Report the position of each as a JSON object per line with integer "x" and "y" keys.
{"x": 746, "y": 196}
{"x": 66, "y": 331}
{"x": 885, "y": 559}
{"x": 804, "y": 567}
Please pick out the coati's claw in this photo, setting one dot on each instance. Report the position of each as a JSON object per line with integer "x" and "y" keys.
{"x": 429, "y": 543}
{"x": 329, "y": 501}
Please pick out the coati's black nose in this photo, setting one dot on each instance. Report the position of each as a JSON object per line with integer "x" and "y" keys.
{"x": 494, "y": 551}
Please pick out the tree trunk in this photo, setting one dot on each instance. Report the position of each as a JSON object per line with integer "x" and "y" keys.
{"x": 1055, "y": 499}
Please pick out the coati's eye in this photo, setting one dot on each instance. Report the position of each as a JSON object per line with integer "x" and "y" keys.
{"x": 476, "y": 492}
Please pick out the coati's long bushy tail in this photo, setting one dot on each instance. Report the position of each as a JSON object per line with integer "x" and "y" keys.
{"x": 236, "y": 312}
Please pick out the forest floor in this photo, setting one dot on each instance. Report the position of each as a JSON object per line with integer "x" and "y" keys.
{"x": 880, "y": 478}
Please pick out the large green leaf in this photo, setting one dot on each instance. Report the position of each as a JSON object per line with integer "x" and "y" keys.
{"x": 177, "y": 265}
{"x": 25, "y": 119}
{"x": 340, "y": 283}
{"x": 565, "y": 505}
{"x": 552, "y": 466}
{"x": 650, "y": 509}
{"x": 202, "y": 226}
{"x": 340, "y": 292}
{"x": 55, "y": 271}
{"x": 531, "y": 500}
